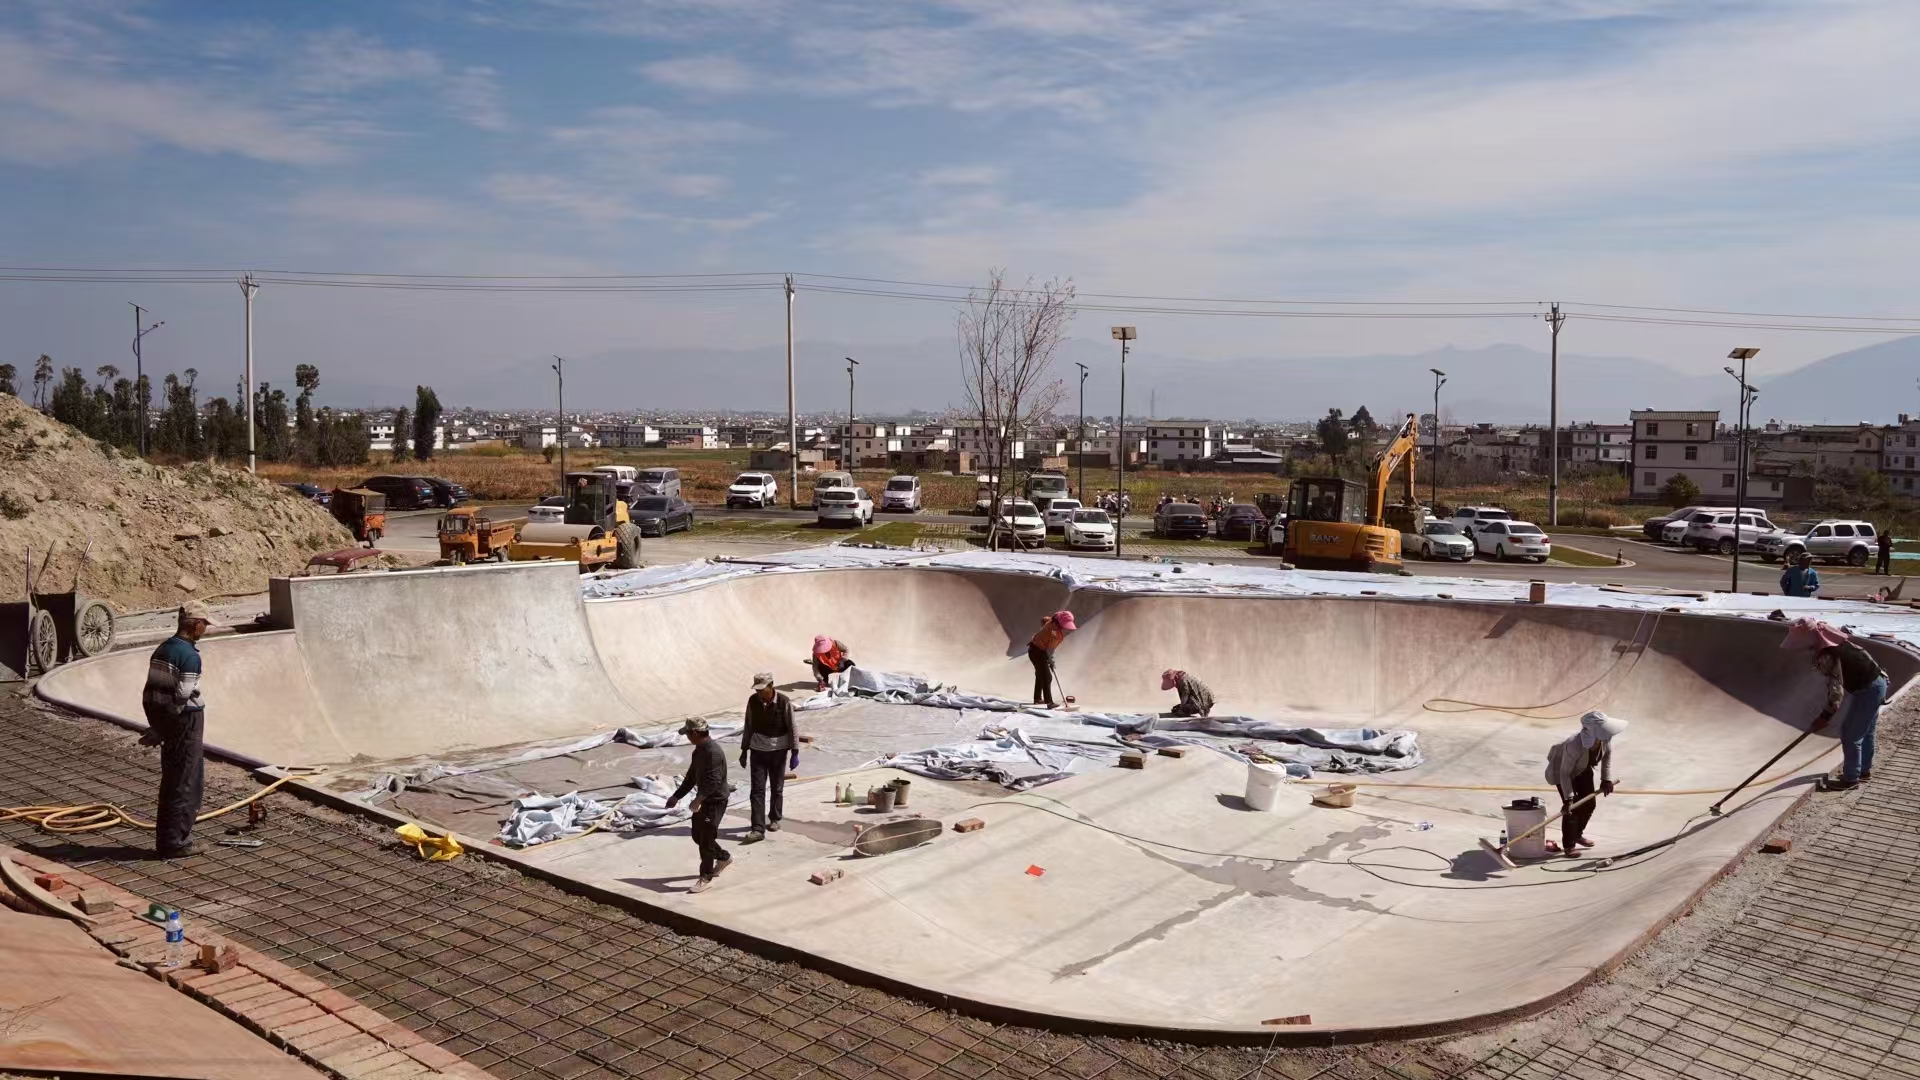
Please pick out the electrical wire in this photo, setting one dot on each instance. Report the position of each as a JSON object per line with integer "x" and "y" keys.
{"x": 92, "y": 817}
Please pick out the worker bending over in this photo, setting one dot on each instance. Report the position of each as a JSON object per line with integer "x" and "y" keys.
{"x": 1854, "y": 679}
{"x": 768, "y": 748}
{"x": 707, "y": 778}
{"x": 1195, "y": 698}
{"x": 1053, "y": 630}
{"x": 829, "y": 658}
{"x": 1570, "y": 769}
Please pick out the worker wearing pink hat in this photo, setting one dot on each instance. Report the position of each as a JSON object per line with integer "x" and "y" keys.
{"x": 1854, "y": 678}
{"x": 829, "y": 658}
{"x": 1053, "y": 630}
{"x": 1195, "y": 698}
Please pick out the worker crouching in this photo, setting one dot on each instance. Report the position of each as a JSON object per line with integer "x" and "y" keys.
{"x": 829, "y": 658}
{"x": 1571, "y": 769}
{"x": 1195, "y": 698}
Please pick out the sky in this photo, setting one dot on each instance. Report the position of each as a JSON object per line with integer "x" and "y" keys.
{"x": 1742, "y": 156}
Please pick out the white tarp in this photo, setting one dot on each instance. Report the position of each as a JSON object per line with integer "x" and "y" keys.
{"x": 539, "y": 819}
{"x": 390, "y": 784}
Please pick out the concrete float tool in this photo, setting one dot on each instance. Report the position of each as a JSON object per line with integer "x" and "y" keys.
{"x": 1715, "y": 808}
{"x": 1499, "y": 851}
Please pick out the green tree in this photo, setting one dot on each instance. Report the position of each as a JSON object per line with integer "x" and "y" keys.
{"x": 271, "y": 441}
{"x": 7, "y": 374}
{"x": 402, "y": 434}
{"x": 1333, "y": 434}
{"x": 1680, "y": 491}
{"x": 42, "y": 377}
{"x": 73, "y": 403}
{"x": 179, "y": 432}
{"x": 343, "y": 439}
{"x": 426, "y": 417}
{"x": 1362, "y": 422}
{"x": 226, "y": 431}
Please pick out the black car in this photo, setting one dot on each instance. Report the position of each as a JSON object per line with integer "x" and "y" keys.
{"x": 402, "y": 492}
{"x": 311, "y": 491}
{"x": 658, "y": 515}
{"x": 1180, "y": 519}
{"x": 446, "y": 492}
{"x": 1240, "y": 520}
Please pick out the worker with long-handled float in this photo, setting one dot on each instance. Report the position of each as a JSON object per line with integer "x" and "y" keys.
{"x": 1053, "y": 630}
{"x": 1855, "y": 680}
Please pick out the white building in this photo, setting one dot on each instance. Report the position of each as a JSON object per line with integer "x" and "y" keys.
{"x": 1178, "y": 440}
{"x": 382, "y": 437}
{"x": 984, "y": 444}
{"x": 541, "y": 436}
{"x": 695, "y": 436}
{"x": 1686, "y": 443}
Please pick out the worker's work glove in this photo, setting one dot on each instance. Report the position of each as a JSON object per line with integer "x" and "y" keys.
{"x": 793, "y": 759}
{"x": 1606, "y": 787}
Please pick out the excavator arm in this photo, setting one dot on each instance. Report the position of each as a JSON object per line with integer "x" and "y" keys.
{"x": 1403, "y": 448}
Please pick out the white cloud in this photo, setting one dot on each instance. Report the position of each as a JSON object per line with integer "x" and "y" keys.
{"x": 557, "y": 194}
{"x": 345, "y": 60}
{"x": 373, "y": 208}
{"x": 701, "y": 74}
{"x": 961, "y": 176}
{"x": 473, "y": 93}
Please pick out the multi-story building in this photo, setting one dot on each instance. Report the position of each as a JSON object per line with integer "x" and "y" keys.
{"x": 1825, "y": 448}
{"x": 692, "y": 436}
{"x": 1689, "y": 443}
{"x": 983, "y": 443}
{"x": 1178, "y": 440}
{"x": 1597, "y": 444}
{"x": 629, "y": 436}
{"x": 1899, "y": 450}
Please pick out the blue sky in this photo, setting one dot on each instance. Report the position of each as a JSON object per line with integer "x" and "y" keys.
{"x": 1751, "y": 155}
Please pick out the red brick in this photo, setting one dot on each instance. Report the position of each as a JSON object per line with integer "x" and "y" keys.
{"x": 359, "y": 1051}
{"x": 234, "y": 995}
{"x": 972, "y": 824}
{"x": 366, "y": 1067}
{"x": 325, "y": 1035}
{"x": 1777, "y": 845}
{"x": 50, "y": 882}
{"x": 364, "y": 1018}
{"x": 304, "y": 1019}
{"x": 332, "y": 1000}
{"x": 218, "y": 957}
{"x": 276, "y": 1015}
{"x": 823, "y": 877}
{"x": 1172, "y": 751}
{"x": 352, "y": 1038}
{"x": 98, "y": 901}
{"x": 1132, "y": 759}
{"x": 182, "y": 976}
{"x": 466, "y": 1070}
{"x": 432, "y": 1056}
{"x": 397, "y": 1036}
{"x": 226, "y": 980}
{"x": 406, "y": 1070}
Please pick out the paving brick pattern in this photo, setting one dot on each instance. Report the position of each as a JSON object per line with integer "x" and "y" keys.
{"x": 523, "y": 980}
{"x": 1819, "y": 979}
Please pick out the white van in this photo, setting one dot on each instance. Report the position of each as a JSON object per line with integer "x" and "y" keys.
{"x": 657, "y": 482}
{"x": 830, "y": 480}
{"x": 901, "y": 493}
{"x": 620, "y": 473}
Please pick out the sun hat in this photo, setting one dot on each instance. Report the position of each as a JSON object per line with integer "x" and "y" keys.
{"x": 195, "y": 609}
{"x": 1064, "y": 620}
{"x": 1597, "y": 726}
{"x": 1810, "y": 633}
{"x": 821, "y": 644}
{"x": 763, "y": 680}
{"x": 1167, "y": 677}
{"x": 695, "y": 726}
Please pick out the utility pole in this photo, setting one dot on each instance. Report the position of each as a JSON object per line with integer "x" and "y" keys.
{"x": 1122, "y": 334}
{"x": 560, "y": 375}
{"x": 1080, "y": 447}
{"x": 793, "y": 426}
{"x": 1747, "y": 394}
{"x": 139, "y": 371}
{"x": 1433, "y": 467}
{"x": 247, "y": 289}
{"x": 846, "y": 448}
{"x": 1553, "y": 421}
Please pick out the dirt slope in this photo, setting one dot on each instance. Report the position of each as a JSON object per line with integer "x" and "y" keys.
{"x": 159, "y": 534}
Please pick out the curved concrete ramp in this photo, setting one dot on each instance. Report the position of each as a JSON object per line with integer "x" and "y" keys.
{"x": 1163, "y": 902}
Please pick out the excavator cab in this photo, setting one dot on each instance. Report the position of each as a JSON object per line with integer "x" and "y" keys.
{"x": 1339, "y": 524}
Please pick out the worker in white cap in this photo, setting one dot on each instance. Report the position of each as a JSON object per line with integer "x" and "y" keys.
{"x": 1571, "y": 766}
{"x": 707, "y": 779}
{"x": 176, "y": 722}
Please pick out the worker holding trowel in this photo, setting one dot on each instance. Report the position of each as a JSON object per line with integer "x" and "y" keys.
{"x": 1571, "y": 767}
{"x": 768, "y": 748}
{"x": 1195, "y": 698}
{"x": 707, "y": 778}
{"x": 176, "y": 721}
{"x": 1854, "y": 680}
{"x": 829, "y": 658}
{"x": 1053, "y": 630}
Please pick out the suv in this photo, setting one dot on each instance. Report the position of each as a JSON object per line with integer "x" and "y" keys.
{"x": 830, "y": 481}
{"x": 1021, "y": 523}
{"x": 657, "y": 482}
{"x": 1655, "y": 527}
{"x": 445, "y": 492}
{"x": 1675, "y": 530}
{"x": 841, "y": 506}
{"x": 1853, "y": 541}
{"x": 1468, "y": 516}
{"x": 756, "y": 489}
{"x": 402, "y": 492}
{"x": 1713, "y": 530}
{"x": 901, "y": 493}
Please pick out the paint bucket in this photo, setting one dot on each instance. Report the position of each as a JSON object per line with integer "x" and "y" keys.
{"x": 1263, "y": 785}
{"x": 883, "y": 799}
{"x": 900, "y": 791}
{"x": 1521, "y": 816}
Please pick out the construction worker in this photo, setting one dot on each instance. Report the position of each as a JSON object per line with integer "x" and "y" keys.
{"x": 1053, "y": 630}
{"x": 1884, "y": 565}
{"x": 1800, "y": 579}
{"x": 1195, "y": 698}
{"x": 707, "y": 778}
{"x": 176, "y": 722}
{"x": 1854, "y": 679}
{"x": 769, "y": 748}
{"x": 1570, "y": 769}
{"x": 829, "y": 658}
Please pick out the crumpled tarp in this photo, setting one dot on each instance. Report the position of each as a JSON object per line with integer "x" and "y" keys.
{"x": 539, "y": 819}
{"x": 387, "y": 785}
{"x": 1004, "y": 756}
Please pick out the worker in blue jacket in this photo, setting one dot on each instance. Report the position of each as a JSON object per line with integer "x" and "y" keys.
{"x": 1800, "y": 578}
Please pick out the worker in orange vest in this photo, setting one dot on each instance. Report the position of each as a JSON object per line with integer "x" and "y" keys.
{"x": 829, "y": 658}
{"x": 1053, "y": 630}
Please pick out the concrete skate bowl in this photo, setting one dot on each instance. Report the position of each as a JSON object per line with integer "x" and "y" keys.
{"x": 1162, "y": 903}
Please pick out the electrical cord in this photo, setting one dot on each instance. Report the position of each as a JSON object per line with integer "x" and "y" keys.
{"x": 1532, "y": 711}
{"x": 92, "y": 817}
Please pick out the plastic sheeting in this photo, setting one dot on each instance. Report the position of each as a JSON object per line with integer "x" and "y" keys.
{"x": 541, "y": 819}
{"x": 389, "y": 784}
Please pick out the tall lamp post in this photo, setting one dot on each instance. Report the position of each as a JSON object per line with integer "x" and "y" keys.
{"x": 560, "y": 374}
{"x": 1433, "y": 467}
{"x": 247, "y": 289}
{"x": 1080, "y": 445}
{"x": 846, "y": 448}
{"x": 1122, "y": 334}
{"x": 1747, "y": 394}
{"x": 139, "y": 372}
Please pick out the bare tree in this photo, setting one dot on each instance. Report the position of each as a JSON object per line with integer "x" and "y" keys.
{"x": 1007, "y": 337}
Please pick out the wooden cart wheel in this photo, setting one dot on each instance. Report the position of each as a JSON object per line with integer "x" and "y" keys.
{"x": 94, "y": 629}
{"x": 43, "y": 641}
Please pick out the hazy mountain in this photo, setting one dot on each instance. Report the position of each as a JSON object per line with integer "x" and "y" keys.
{"x": 1499, "y": 383}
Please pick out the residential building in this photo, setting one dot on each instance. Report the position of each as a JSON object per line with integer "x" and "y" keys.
{"x": 983, "y": 443}
{"x": 1822, "y": 448}
{"x": 541, "y": 436}
{"x": 1597, "y": 444}
{"x": 1689, "y": 443}
{"x": 691, "y": 436}
{"x": 381, "y": 437}
{"x": 1178, "y": 440}
{"x": 1899, "y": 450}
{"x": 630, "y": 436}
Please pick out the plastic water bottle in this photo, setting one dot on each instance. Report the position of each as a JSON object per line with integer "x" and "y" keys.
{"x": 176, "y": 941}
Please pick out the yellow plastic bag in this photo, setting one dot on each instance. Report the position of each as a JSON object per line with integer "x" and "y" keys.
{"x": 431, "y": 848}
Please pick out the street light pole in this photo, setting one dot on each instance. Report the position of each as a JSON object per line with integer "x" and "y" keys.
{"x": 1433, "y": 467}
{"x": 247, "y": 289}
{"x": 1747, "y": 394}
{"x": 560, "y": 376}
{"x": 1080, "y": 446}
{"x": 1553, "y": 420}
{"x": 139, "y": 371}
{"x": 1125, "y": 334}
{"x": 846, "y": 448}
{"x": 793, "y": 426}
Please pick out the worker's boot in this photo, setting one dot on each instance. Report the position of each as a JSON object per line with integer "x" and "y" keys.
{"x": 754, "y": 837}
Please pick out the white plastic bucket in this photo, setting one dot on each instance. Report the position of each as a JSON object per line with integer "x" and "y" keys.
{"x": 1519, "y": 820}
{"x": 1263, "y": 785}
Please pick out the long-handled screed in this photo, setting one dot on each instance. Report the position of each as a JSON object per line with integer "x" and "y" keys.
{"x": 1499, "y": 852}
{"x": 1802, "y": 737}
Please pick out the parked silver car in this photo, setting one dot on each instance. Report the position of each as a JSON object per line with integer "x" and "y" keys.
{"x": 1437, "y": 540}
{"x": 1851, "y": 541}
{"x": 1716, "y": 530}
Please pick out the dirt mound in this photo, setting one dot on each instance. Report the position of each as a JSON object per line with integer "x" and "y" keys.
{"x": 158, "y": 534}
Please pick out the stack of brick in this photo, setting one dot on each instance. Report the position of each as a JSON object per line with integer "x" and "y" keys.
{"x": 297, "y": 1012}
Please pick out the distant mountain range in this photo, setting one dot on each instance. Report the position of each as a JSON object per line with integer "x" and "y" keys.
{"x": 1498, "y": 383}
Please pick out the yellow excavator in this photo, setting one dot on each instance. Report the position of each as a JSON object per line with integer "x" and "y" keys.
{"x": 1335, "y": 524}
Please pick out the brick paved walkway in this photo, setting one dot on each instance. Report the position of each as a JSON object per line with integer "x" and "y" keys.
{"x": 526, "y": 981}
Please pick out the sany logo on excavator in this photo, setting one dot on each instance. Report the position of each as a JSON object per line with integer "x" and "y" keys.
{"x": 1323, "y": 538}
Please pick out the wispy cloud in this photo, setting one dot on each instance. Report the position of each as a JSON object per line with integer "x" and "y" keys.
{"x": 717, "y": 74}
{"x": 380, "y": 209}
{"x": 474, "y": 95}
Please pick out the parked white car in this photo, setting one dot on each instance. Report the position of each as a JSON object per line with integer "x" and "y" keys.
{"x": 1852, "y": 541}
{"x": 1714, "y": 530}
{"x": 551, "y": 510}
{"x": 1059, "y": 512}
{"x": 1469, "y": 518}
{"x": 1437, "y": 540}
{"x": 1092, "y": 529}
{"x": 830, "y": 481}
{"x": 1675, "y": 530}
{"x": 844, "y": 506}
{"x": 756, "y": 489}
{"x": 1511, "y": 540}
{"x": 1021, "y": 524}
{"x": 901, "y": 493}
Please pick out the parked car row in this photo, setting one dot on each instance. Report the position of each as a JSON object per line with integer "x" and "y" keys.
{"x": 417, "y": 492}
{"x": 1723, "y": 529}
{"x": 1477, "y": 531}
